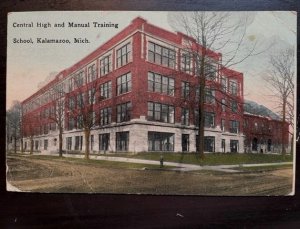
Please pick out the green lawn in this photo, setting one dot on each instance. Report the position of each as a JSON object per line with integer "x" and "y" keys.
{"x": 189, "y": 158}
{"x": 262, "y": 168}
{"x": 212, "y": 158}
{"x": 100, "y": 163}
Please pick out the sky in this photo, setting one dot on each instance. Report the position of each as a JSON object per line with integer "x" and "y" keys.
{"x": 29, "y": 66}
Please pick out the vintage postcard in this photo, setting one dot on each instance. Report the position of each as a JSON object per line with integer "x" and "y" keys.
{"x": 180, "y": 103}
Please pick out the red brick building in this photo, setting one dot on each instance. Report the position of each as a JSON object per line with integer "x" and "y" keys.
{"x": 264, "y": 135}
{"x": 146, "y": 86}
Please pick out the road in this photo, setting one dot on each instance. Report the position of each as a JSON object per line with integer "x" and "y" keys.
{"x": 61, "y": 175}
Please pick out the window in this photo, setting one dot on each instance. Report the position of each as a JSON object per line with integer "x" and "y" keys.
{"x": 234, "y": 126}
{"x": 196, "y": 117}
{"x": 80, "y": 100}
{"x": 161, "y": 55}
{"x": 79, "y": 79}
{"x": 105, "y": 90}
{"x": 223, "y": 125}
{"x": 124, "y": 84}
{"x": 224, "y": 84}
{"x": 72, "y": 103}
{"x": 223, "y": 105}
{"x": 185, "y": 142}
{"x": 209, "y": 96}
{"x": 160, "y": 112}
{"x": 185, "y": 90}
{"x": 52, "y": 126}
{"x": 78, "y": 142}
{"x": 104, "y": 142}
{"x": 105, "y": 116}
{"x": 71, "y": 123}
{"x": 234, "y": 106}
{"x": 71, "y": 84}
{"x": 123, "y": 112}
{"x": 45, "y": 144}
{"x": 105, "y": 65}
{"x": 209, "y": 119}
{"x": 123, "y": 55}
{"x": 161, "y": 84}
{"x": 209, "y": 144}
{"x": 91, "y": 73}
{"x": 36, "y": 145}
{"x": 185, "y": 116}
{"x": 79, "y": 121}
{"x": 46, "y": 129}
{"x": 92, "y": 142}
{"x": 210, "y": 71}
{"x": 234, "y": 146}
{"x": 186, "y": 63}
{"x": 69, "y": 143}
{"x": 158, "y": 141}
{"x": 223, "y": 146}
{"x": 233, "y": 87}
{"x": 122, "y": 141}
{"x": 197, "y": 93}
{"x": 91, "y": 95}
{"x": 52, "y": 111}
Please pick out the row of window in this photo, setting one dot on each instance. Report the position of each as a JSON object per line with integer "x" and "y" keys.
{"x": 156, "y": 54}
{"x": 123, "y": 86}
{"x": 157, "y": 141}
{"x": 122, "y": 142}
{"x": 167, "y": 57}
{"x": 161, "y": 113}
{"x": 229, "y": 86}
{"x": 123, "y": 115}
{"x": 123, "y": 56}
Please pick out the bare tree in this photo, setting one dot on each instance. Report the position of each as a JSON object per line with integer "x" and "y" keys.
{"x": 217, "y": 31}
{"x": 280, "y": 80}
{"x": 57, "y": 114}
{"x": 81, "y": 104}
{"x": 30, "y": 128}
{"x": 13, "y": 116}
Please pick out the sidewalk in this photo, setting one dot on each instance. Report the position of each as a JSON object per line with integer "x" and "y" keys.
{"x": 178, "y": 166}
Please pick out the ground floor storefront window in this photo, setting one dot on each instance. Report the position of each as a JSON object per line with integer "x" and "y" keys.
{"x": 223, "y": 146}
{"x": 36, "y": 145}
{"x": 45, "y": 144}
{"x": 122, "y": 141}
{"x": 185, "y": 142}
{"x": 104, "y": 142}
{"x": 234, "y": 146}
{"x": 159, "y": 141}
{"x": 69, "y": 143}
{"x": 209, "y": 144}
{"x": 78, "y": 142}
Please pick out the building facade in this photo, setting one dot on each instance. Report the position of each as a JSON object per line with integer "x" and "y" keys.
{"x": 142, "y": 87}
{"x": 264, "y": 135}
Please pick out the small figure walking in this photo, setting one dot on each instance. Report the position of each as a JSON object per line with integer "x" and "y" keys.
{"x": 161, "y": 161}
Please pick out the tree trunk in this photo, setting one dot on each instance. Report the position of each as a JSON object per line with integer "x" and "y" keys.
{"x": 283, "y": 151}
{"x": 22, "y": 149}
{"x": 292, "y": 143}
{"x": 201, "y": 107}
{"x": 60, "y": 142}
{"x": 31, "y": 145}
{"x": 15, "y": 144}
{"x": 87, "y": 133}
